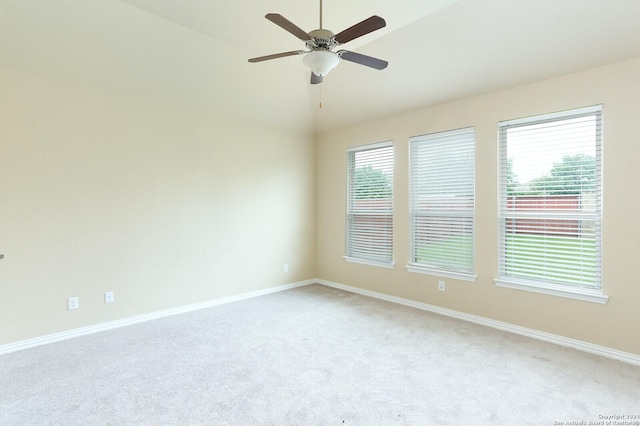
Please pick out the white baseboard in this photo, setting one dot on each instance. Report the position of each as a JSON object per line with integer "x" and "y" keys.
{"x": 70, "y": 334}
{"x": 523, "y": 331}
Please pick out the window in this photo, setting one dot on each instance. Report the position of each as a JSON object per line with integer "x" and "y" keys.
{"x": 550, "y": 204}
{"x": 370, "y": 204}
{"x": 441, "y": 199}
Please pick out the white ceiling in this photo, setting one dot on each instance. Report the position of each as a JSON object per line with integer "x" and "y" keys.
{"x": 194, "y": 52}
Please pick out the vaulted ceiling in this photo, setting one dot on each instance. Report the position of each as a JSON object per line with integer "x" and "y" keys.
{"x": 194, "y": 52}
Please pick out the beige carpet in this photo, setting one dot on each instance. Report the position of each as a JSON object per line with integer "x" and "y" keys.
{"x": 312, "y": 355}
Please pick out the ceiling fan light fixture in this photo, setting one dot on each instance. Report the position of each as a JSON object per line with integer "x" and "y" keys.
{"x": 321, "y": 61}
{"x": 320, "y": 57}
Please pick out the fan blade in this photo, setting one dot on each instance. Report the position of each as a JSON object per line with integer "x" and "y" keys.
{"x": 361, "y": 59}
{"x": 277, "y": 55}
{"x": 283, "y": 22}
{"x": 360, "y": 29}
{"x": 315, "y": 79}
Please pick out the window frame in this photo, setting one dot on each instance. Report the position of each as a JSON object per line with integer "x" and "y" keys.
{"x": 456, "y": 219}
{"x": 575, "y": 291}
{"x": 351, "y": 212}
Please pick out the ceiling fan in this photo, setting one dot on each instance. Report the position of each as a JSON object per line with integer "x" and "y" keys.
{"x": 321, "y": 43}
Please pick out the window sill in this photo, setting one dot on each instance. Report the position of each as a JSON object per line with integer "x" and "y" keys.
{"x": 594, "y": 296}
{"x": 440, "y": 273}
{"x": 370, "y": 262}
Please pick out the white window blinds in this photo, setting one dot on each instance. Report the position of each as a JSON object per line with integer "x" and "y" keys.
{"x": 550, "y": 200}
{"x": 441, "y": 198}
{"x": 370, "y": 204}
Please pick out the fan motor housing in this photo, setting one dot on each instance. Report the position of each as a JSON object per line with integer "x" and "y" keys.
{"x": 321, "y": 38}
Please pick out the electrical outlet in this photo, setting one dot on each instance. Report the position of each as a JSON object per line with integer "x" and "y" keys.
{"x": 108, "y": 297}
{"x": 73, "y": 303}
{"x": 441, "y": 285}
{"x": 285, "y": 268}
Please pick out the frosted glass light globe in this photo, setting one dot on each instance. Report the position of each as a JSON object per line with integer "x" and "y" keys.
{"x": 321, "y": 61}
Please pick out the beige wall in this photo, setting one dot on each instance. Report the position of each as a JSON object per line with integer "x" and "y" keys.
{"x": 163, "y": 205}
{"x": 614, "y": 324}
{"x": 168, "y": 206}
